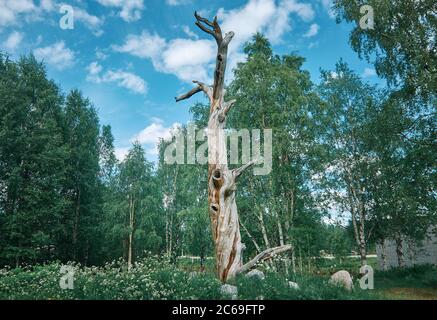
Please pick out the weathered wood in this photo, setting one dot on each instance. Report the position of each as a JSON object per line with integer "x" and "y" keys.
{"x": 225, "y": 222}
{"x": 265, "y": 255}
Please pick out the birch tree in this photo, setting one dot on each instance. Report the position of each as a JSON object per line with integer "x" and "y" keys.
{"x": 351, "y": 104}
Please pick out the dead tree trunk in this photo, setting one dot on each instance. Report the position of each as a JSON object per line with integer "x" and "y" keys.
{"x": 221, "y": 180}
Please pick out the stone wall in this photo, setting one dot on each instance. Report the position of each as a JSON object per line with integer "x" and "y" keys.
{"x": 422, "y": 253}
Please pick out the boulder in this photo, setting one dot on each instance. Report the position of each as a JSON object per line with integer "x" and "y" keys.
{"x": 343, "y": 279}
{"x": 229, "y": 291}
{"x": 293, "y": 285}
{"x": 255, "y": 273}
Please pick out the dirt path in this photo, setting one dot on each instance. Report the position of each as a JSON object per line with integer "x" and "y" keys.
{"x": 411, "y": 293}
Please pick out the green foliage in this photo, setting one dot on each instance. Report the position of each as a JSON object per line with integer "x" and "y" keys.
{"x": 155, "y": 279}
{"x": 402, "y": 43}
{"x": 32, "y": 162}
{"x": 424, "y": 276}
{"x": 274, "y": 92}
{"x": 197, "y": 232}
{"x": 275, "y": 287}
{"x": 151, "y": 278}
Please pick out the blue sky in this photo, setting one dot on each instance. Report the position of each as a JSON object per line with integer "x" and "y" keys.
{"x": 132, "y": 57}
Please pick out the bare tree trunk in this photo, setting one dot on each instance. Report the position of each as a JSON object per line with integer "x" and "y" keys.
{"x": 300, "y": 261}
{"x": 383, "y": 255}
{"x": 412, "y": 251}
{"x": 172, "y": 210}
{"x": 263, "y": 229}
{"x": 221, "y": 180}
{"x": 288, "y": 225}
{"x": 167, "y": 250}
{"x": 131, "y": 232}
{"x": 258, "y": 249}
{"x": 399, "y": 251}
{"x": 363, "y": 242}
{"x": 76, "y": 225}
{"x": 260, "y": 216}
{"x": 363, "y": 251}
{"x": 359, "y": 231}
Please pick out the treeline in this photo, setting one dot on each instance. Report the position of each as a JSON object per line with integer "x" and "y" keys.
{"x": 343, "y": 150}
{"x": 63, "y": 195}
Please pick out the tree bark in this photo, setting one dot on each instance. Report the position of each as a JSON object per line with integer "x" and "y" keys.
{"x": 399, "y": 251}
{"x": 383, "y": 255}
{"x": 224, "y": 218}
{"x": 258, "y": 249}
{"x": 76, "y": 224}
{"x": 359, "y": 231}
{"x": 131, "y": 232}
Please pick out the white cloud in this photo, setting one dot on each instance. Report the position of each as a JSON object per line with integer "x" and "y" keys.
{"x": 13, "y": 41}
{"x": 94, "y": 69}
{"x": 101, "y": 55}
{"x": 177, "y": 2}
{"x": 91, "y": 22}
{"x": 47, "y": 5}
{"x": 313, "y": 44}
{"x": 56, "y": 55}
{"x": 189, "y": 33}
{"x": 327, "y": 5}
{"x": 121, "y": 153}
{"x": 11, "y": 10}
{"x": 185, "y": 58}
{"x": 312, "y": 31}
{"x": 145, "y": 45}
{"x": 127, "y": 80}
{"x": 152, "y": 134}
{"x": 130, "y": 10}
{"x": 122, "y": 78}
{"x": 247, "y": 20}
{"x": 369, "y": 72}
{"x": 193, "y": 59}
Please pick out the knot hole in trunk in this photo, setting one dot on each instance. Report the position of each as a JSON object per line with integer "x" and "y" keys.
{"x": 217, "y": 178}
{"x": 214, "y": 208}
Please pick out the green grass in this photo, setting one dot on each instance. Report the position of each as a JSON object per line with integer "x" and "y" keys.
{"x": 155, "y": 278}
{"x": 352, "y": 265}
{"x": 417, "y": 277}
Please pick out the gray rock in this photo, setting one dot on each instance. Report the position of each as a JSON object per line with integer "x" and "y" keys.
{"x": 293, "y": 285}
{"x": 255, "y": 273}
{"x": 343, "y": 279}
{"x": 229, "y": 291}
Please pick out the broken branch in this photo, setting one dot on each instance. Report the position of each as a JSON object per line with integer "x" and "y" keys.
{"x": 200, "y": 87}
{"x": 216, "y": 32}
{"x": 239, "y": 171}
{"x": 226, "y": 107}
{"x": 265, "y": 255}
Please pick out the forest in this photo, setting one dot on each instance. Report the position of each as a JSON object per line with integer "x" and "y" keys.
{"x": 353, "y": 165}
